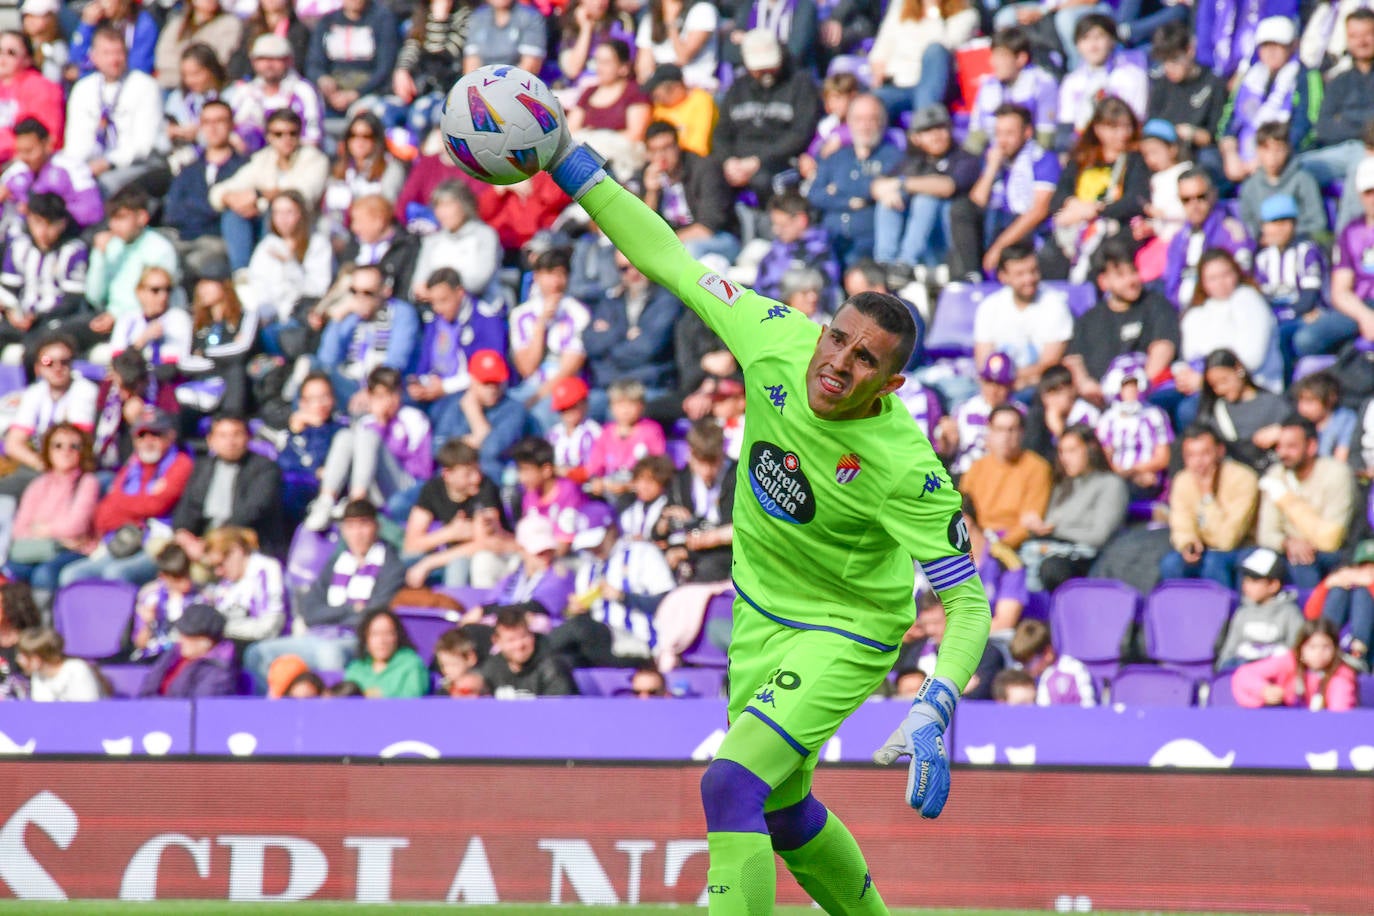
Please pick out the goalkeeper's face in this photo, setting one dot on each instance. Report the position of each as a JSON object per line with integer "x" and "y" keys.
{"x": 856, "y": 362}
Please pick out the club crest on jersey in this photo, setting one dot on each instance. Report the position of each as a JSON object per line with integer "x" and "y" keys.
{"x": 721, "y": 288}
{"x": 847, "y": 468}
{"x": 780, "y": 484}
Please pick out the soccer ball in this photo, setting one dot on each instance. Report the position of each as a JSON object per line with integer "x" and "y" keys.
{"x": 501, "y": 124}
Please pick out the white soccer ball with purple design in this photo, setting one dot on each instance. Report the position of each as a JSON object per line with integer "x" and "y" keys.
{"x": 501, "y": 124}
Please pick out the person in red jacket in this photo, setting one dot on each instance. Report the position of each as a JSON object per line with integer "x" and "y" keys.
{"x": 25, "y": 93}
{"x": 518, "y": 211}
{"x": 142, "y": 495}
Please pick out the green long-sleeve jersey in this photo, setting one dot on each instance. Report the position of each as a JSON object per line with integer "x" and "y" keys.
{"x": 828, "y": 514}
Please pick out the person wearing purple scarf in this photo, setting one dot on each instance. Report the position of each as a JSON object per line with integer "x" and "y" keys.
{"x": 537, "y": 586}
{"x": 1226, "y": 30}
{"x": 1206, "y": 227}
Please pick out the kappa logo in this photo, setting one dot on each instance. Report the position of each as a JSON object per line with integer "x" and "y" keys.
{"x": 721, "y": 288}
{"x": 766, "y": 696}
{"x": 777, "y": 394}
{"x": 778, "y": 310}
{"x": 933, "y": 482}
{"x": 847, "y": 468}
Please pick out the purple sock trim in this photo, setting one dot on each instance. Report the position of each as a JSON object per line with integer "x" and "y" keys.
{"x": 733, "y": 798}
{"x": 795, "y": 826}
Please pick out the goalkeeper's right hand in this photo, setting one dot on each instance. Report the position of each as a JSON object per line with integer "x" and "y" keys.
{"x": 921, "y": 736}
{"x": 575, "y": 168}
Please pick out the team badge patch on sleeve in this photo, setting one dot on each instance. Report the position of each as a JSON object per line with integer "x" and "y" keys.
{"x": 721, "y": 288}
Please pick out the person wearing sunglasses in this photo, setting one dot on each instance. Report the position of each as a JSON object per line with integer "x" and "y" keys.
{"x": 375, "y": 330}
{"x": 121, "y": 254}
{"x": 55, "y": 522}
{"x": 159, "y": 332}
{"x": 57, "y": 395}
{"x": 362, "y": 166}
{"x": 275, "y": 84}
{"x": 1206, "y": 226}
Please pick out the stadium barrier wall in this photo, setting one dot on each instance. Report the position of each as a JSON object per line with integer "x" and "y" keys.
{"x": 605, "y": 834}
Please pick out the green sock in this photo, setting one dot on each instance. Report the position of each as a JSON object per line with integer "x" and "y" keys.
{"x": 742, "y": 879}
{"x": 832, "y": 870}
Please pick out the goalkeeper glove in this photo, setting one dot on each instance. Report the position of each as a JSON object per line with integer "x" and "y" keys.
{"x": 921, "y": 736}
{"x": 575, "y": 168}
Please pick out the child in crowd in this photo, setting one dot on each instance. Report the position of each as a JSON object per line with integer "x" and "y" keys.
{"x": 1291, "y": 273}
{"x": 961, "y": 434}
{"x": 1313, "y": 674}
{"x": 1102, "y": 71}
{"x": 53, "y": 675}
{"x": 1318, "y": 397}
{"x": 1013, "y": 687}
{"x": 837, "y": 91}
{"x": 1013, "y": 78}
{"x": 1268, "y": 618}
{"x": 249, "y": 592}
{"x": 388, "y": 449}
{"x": 1060, "y": 679}
{"x": 546, "y": 493}
{"x": 1058, "y": 407}
{"x": 546, "y": 336}
{"x": 575, "y": 434}
{"x": 626, "y": 439}
{"x": 649, "y": 483}
{"x": 1164, "y": 217}
{"x": 1276, "y": 87}
{"x": 1277, "y": 172}
{"x": 1135, "y": 435}
{"x": 455, "y": 655}
{"x": 160, "y": 603}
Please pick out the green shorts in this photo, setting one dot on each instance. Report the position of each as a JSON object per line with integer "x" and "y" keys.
{"x": 802, "y": 684}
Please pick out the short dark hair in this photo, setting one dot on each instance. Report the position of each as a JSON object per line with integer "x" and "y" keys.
{"x": 130, "y": 198}
{"x": 1324, "y": 386}
{"x": 1018, "y": 251}
{"x": 1271, "y": 132}
{"x": 1008, "y": 678}
{"x": 1115, "y": 252}
{"x": 173, "y": 561}
{"x": 455, "y": 452}
{"x": 1011, "y": 409}
{"x": 227, "y": 416}
{"x": 287, "y": 115}
{"x": 706, "y": 440}
{"x": 445, "y": 276}
{"x": 305, "y": 677}
{"x": 456, "y": 641}
{"x": 32, "y": 127}
{"x": 658, "y": 129}
{"x": 1015, "y": 39}
{"x": 48, "y": 206}
{"x": 360, "y": 508}
{"x": 1094, "y": 21}
{"x": 316, "y": 375}
{"x": 511, "y": 617}
{"x": 872, "y": 272}
{"x": 791, "y": 203}
{"x": 384, "y": 377}
{"x": 1298, "y": 421}
{"x": 54, "y": 339}
{"x": 534, "y": 450}
{"x": 553, "y": 259}
{"x": 893, "y": 316}
{"x": 218, "y": 103}
{"x": 1199, "y": 172}
{"x": 1363, "y": 14}
{"x": 1054, "y": 378}
{"x": 659, "y": 467}
{"x": 130, "y": 368}
{"x": 1201, "y": 431}
{"x": 1171, "y": 40}
{"x": 1013, "y": 110}
{"x": 364, "y": 625}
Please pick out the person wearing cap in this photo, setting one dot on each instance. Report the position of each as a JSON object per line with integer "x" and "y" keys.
{"x": 1278, "y": 173}
{"x": 682, "y": 33}
{"x": 108, "y": 114}
{"x": 1162, "y": 151}
{"x": 484, "y": 416}
{"x": 388, "y": 448}
{"x": 692, "y": 111}
{"x": 362, "y": 576}
{"x": 1352, "y": 265}
{"x": 1010, "y": 201}
{"x": 456, "y": 524}
{"x": 42, "y": 275}
{"x": 1268, "y": 618}
{"x": 456, "y": 326}
{"x": 1306, "y": 504}
{"x": 353, "y": 51}
{"x": 275, "y": 85}
{"x": 1186, "y": 94}
{"x": 1102, "y": 70}
{"x": 546, "y": 337}
{"x": 842, "y": 189}
{"x": 690, "y": 193}
{"x": 575, "y": 433}
{"x": 201, "y": 664}
{"x": 766, "y": 118}
{"x": 538, "y": 587}
{"x": 1206, "y": 226}
{"x": 1008, "y": 483}
{"x": 1276, "y": 88}
{"x": 794, "y": 23}
{"x": 1347, "y": 106}
{"x": 1135, "y": 435}
{"x": 912, "y": 225}
{"x": 51, "y": 52}
{"x": 25, "y": 93}
{"x": 125, "y": 17}
{"x": 1290, "y": 271}
{"x": 1346, "y": 599}
{"x": 912, "y": 55}
{"x": 961, "y": 435}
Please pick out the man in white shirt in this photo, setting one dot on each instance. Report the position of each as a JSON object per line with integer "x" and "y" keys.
{"x": 59, "y": 395}
{"x": 275, "y": 85}
{"x": 1031, "y": 324}
{"x": 112, "y": 116}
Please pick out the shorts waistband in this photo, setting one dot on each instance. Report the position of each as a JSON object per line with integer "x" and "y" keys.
{"x": 799, "y": 625}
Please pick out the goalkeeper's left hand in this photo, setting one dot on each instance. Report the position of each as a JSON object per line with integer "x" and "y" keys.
{"x": 921, "y": 736}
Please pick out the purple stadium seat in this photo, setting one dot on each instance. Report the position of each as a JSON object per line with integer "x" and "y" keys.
{"x": 1081, "y": 296}
{"x": 1146, "y": 685}
{"x": 424, "y": 626}
{"x": 1037, "y": 607}
{"x": 703, "y": 653}
{"x": 696, "y": 682}
{"x": 89, "y": 369}
{"x": 602, "y": 682}
{"x": 94, "y": 617}
{"x": 1089, "y": 619}
{"x": 264, "y": 448}
{"x": 125, "y": 679}
{"x": 1364, "y": 689}
{"x": 1309, "y": 365}
{"x": 678, "y": 451}
{"x": 1182, "y": 620}
{"x": 951, "y": 329}
{"x": 1219, "y": 693}
{"x": 307, "y": 557}
{"x": 11, "y": 378}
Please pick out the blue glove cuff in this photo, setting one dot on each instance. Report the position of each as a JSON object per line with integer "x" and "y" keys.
{"x": 936, "y": 700}
{"x": 578, "y": 172}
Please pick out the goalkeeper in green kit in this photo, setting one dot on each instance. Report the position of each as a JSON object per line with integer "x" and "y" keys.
{"x": 838, "y": 492}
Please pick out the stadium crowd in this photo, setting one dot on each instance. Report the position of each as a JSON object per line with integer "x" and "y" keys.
{"x": 249, "y": 308}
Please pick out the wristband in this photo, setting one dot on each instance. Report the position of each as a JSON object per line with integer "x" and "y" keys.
{"x": 935, "y": 701}
{"x": 579, "y": 171}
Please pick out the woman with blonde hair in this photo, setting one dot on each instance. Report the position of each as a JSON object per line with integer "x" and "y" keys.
{"x": 913, "y": 55}
{"x": 249, "y": 591}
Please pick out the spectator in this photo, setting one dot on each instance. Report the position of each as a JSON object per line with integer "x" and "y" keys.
{"x": 613, "y": 112}
{"x": 375, "y": 330}
{"x": 647, "y": 496}
{"x": 362, "y": 166}
{"x": 1011, "y": 199}
{"x": 201, "y": 79}
{"x": 118, "y": 17}
{"x": 1008, "y": 484}
{"x": 431, "y": 53}
{"x": 1102, "y": 72}
{"x": 848, "y": 26}
{"x": 913, "y": 54}
{"x": 1206, "y": 227}
{"x": 201, "y": 664}
{"x": 796, "y": 243}
{"x": 806, "y": 289}
{"x": 1291, "y": 274}
{"x": 277, "y": 18}
{"x": 142, "y": 496}
{"x": 1317, "y": 399}
{"x": 1085, "y": 216}
{"x": 689, "y": 191}
{"x": 1212, "y": 503}
{"x": 361, "y": 578}
{"x": 1275, "y": 89}
{"x": 1060, "y": 679}
{"x": 1345, "y": 598}
{"x": 1352, "y": 273}
{"x": 536, "y": 586}
{"x": 916, "y": 659}
{"x": 18, "y": 613}
{"x": 119, "y": 258}
{"x": 558, "y": 499}
{"x": 1347, "y": 106}
{"x": 962, "y": 435}
{"x": 1313, "y": 674}
{"x": 1162, "y": 152}
{"x": 585, "y": 25}
{"x": 518, "y": 212}
{"x": 1056, "y": 407}
{"x": 388, "y": 449}
{"x": 1136, "y": 436}
{"x": 1227, "y": 311}
{"x": 455, "y": 655}
{"x": 285, "y": 165}
{"x": 24, "y": 93}
{"x": 1276, "y": 172}
{"x": 683, "y": 33}
{"x": 484, "y": 416}
{"x": 648, "y": 683}
{"x": 203, "y": 22}
{"x": 462, "y": 239}
{"x": 43, "y": 274}
{"x": 456, "y": 524}
{"x": 626, "y": 439}
{"x": 387, "y": 666}
{"x": 691, "y": 111}
{"x": 249, "y": 592}
{"x": 188, "y": 211}
{"x": 912, "y": 222}
{"x": 631, "y": 336}
{"x": 767, "y": 117}
{"x": 574, "y": 435}
{"x": 456, "y": 327}
{"x": 352, "y": 53}
{"x": 1013, "y": 687}
{"x": 1305, "y": 505}
{"x": 1268, "y": 618}
{"x": 793, "y": 24}
{"x": 128, "y": 389}
{"x": 523, "y": 667}
{"x": 161, "y": 603}
{"x": 429, "y": 169}
{"x": 58, "y": 395}
{"x": 375, "y": 238}
{"x": 1087, "y": 506}
{"x": 292, "y": 262}
{"x": 1014, "y": 80}
{"x": 230, "y": 486}
{"x": 304, "y": 444}
{"x": 505, "y": 32}
{"x": 275, "y": 86}
{"x": 1323, "y": 41}
{"x": 222, "y": 337}
{"x": 1031, "y": 324}
{"x": 1129, "y": 318}
{"x": 1245, "y": 416}
{"x": 111, "y": 116}
{"x": 36, "y": 169}
{"x": 55, "y": 676}
{"x": 55, "y": 523}
{"x": 841, "y": 190}
{"x": 162, "y": 334}
{"x": 1187, "y": 94}
{"x": 51, "y": 53}
{"x": 546, "y": 336}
